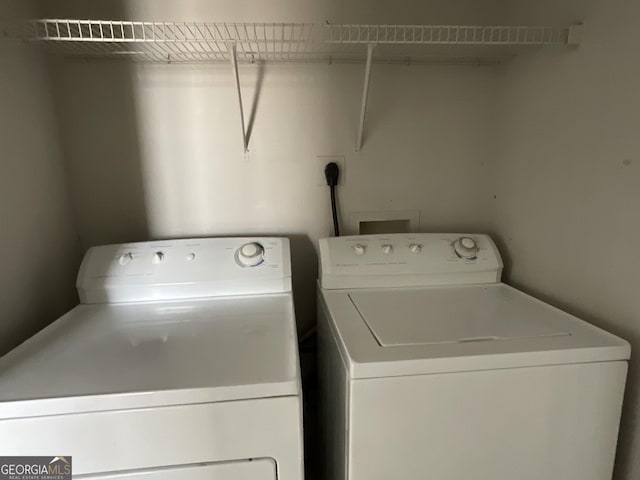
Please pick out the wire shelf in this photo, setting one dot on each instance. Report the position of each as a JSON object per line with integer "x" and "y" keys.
{"x": 445, "y": 35}
{"x": 285, "y": 42}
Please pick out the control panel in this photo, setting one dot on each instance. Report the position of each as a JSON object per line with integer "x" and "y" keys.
{"x": 403, "y": 259}
{"x": 187, "y": 268}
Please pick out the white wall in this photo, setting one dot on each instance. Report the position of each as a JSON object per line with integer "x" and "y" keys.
{"x": 183, "y": 172}
{"x": 567, "y": 185}
{"x": 543, "y": 152}
{"x": 335, "y": 11}
{"x": 155, "y": 150}
{"x": 39, "y": 250}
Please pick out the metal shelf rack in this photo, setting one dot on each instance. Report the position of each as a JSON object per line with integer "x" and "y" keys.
{"x": 287, "y": 42}
{"x": 234, "y": 43}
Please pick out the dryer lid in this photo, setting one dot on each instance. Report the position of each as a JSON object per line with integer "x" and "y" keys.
{"x": 423, "y": 317}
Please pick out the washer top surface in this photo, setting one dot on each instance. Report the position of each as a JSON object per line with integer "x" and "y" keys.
{"x": 420, "y": 330}
{"x": 137, "y": 355}
{"x": 437, "y": 316}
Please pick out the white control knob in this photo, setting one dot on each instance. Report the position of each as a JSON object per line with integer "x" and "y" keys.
{"x": 191, "y": 257}
{"x": 387, "y": 249}
{"x": 465, "y": 247}
{"x": 158, "y": 257}
{"x": 250, "y": 254}
{"x": 125, "y": 258}
{"x": 359, "y": 249}
{"x": 415, "y": 248}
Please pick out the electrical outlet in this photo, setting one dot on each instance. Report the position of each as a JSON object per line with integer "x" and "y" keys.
{"x": 321, "y": 162}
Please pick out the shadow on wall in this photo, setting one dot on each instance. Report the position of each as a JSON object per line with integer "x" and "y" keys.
{"x": 95, "y": 111}
{"x": 304, "y": 268}
{"x": 39, "y": 250}
{"x": 104, "y": 163}
{"x": 106, "y": 168}
{"x": 256, "y": 100}
{"x": 114, "y": 170}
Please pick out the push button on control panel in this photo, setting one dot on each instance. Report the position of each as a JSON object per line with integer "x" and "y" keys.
{"x": 158, "y": 257}
{"x": 359, "y": 249}
{"x": 415, "y": 248}
{"x": 125, "y": 258}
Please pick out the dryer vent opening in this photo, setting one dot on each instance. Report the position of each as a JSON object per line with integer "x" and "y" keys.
{"x": 385, "y": 226}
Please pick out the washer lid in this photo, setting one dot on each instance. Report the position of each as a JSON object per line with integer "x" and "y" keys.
{"x": 415, "y": 331}
{"x": 423, "y": 317}
{"x": 120, "y": 356}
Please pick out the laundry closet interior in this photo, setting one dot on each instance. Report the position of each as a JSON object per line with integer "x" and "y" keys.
{"x": 135, "y": 120}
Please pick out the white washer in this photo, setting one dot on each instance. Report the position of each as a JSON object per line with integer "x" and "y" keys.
{"x": 180, "y": 363}
{"x": 432, "y": 368}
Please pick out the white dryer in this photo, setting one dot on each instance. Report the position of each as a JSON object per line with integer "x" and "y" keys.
{"x": 180, "y": 363}
{"x": 432, "y": 368}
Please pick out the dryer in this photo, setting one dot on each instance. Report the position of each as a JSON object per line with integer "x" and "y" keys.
{"x": 430, "y": 367}
{"x": 181, "y": 362}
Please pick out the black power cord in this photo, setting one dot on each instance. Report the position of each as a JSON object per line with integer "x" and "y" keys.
{"x": 332, "y": 174}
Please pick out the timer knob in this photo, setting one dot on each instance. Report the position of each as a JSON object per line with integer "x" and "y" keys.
{"x": 250, "y": 254}
{"x": 415, "y": 248}
{"x": 359, "y": 249}
{"x": 125, "y": 258}
{"x": 465, "y": 247}
{"x": 158, "y": 257}
{"x": 387, "y": 249}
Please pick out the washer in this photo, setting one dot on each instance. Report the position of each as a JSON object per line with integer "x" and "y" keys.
{"x": 180, "y": 362}
{"x": 433, "y": 368}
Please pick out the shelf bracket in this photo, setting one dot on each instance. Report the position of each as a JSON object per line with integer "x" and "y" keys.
{"x": 365, "y": 95}
{"x": 575, "y": 34}
{"x": 231, "y": 48}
